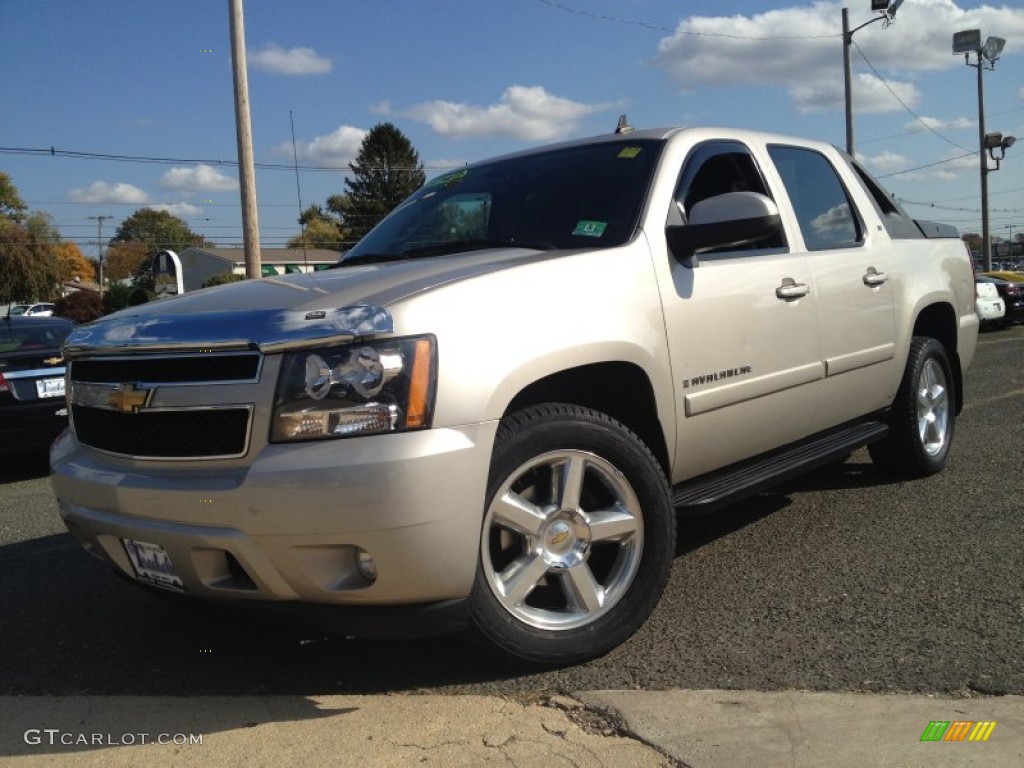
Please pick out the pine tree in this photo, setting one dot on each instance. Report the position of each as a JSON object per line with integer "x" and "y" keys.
{"x": 385, "y": 172}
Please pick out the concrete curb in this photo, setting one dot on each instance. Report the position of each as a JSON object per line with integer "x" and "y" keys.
{"x": 797, "y": 729}
{"x": 274, "y": 731}
{"x": 699, "y": 729}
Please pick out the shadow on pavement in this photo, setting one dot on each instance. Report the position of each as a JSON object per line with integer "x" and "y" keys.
{"x": 24, "y": 466}
{"x": 74, "y": 628}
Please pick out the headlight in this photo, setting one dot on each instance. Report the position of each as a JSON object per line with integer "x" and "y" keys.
{"x": 360, "y": 389}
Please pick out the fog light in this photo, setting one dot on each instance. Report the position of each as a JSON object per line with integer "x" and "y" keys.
{"x": 366, "y": 565}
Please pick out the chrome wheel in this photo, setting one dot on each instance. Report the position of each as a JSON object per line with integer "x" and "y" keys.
{"x": 563, "y": 539}
{"x": 933, "y": 408}
{"x": 922, "y": 418}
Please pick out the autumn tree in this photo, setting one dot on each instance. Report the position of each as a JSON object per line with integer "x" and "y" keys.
{"x": 74, "y": 264}
{"x": 29, "y": 267}
{"x": 124, "y": 260}
{"x": 12, "y": 207}
{"x": 386, "y": 170}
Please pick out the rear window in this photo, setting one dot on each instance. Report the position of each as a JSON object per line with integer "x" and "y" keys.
{"x": 33, "y": 335}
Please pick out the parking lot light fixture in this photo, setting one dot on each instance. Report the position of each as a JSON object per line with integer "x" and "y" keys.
{"x": 986, "y": 54}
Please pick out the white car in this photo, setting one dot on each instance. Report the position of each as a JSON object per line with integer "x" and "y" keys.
{"x": 988, "y": 303}
{"x": 34, "y": 310}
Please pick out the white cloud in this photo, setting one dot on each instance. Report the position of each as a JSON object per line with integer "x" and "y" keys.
{"x": 445, "y": 164}
{"x": 102, "y": 192}
{"x": 523, "y": 113}
{"x": 381, "y": 108}
{"x": 177, "y": 209}
{"x": 937, "y": 124}
{"x": 887, "y": 161}
{"x": 201, "y": 178}
{"x": 336, "y": 149}
{"x": 799, "y": 48}
{"x": 293, "y": 61}
{"x": 869, "y": 95}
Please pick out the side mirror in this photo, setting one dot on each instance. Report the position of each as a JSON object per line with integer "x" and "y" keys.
{"x": 732, "y": 219}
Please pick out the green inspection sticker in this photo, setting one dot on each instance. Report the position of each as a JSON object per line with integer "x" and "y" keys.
{"x": 590, "y": 228}
{"x": 630, "y": 152}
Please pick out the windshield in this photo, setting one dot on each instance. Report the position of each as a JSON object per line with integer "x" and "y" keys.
{"x": 577, "y": 197}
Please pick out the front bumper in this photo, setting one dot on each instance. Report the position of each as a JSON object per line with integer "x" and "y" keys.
{"x": 287, "y": 526}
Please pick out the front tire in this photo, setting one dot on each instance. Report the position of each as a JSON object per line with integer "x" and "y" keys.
{"x": 923, "y": 415}
{"x": 577, "y": 539}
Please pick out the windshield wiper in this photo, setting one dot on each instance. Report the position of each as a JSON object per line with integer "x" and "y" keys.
{"x": 476, "y": 244}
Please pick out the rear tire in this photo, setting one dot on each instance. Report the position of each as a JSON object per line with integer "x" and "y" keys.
{"x": 577, "y": 540}
{"x": 923, "y": 415}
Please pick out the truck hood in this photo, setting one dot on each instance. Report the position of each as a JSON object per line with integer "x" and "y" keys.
{"x": 277, "y": 313}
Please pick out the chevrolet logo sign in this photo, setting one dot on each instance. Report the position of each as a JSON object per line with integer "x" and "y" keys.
{"x": 128, "y": 399}
{"x": 52, "y": 360}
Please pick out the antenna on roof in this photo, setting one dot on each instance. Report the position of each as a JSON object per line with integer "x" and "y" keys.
{"x": 623, "y": 126}
{"x": 298, "y": 192}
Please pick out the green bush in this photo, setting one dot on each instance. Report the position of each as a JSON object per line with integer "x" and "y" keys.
{"x": 116, "y": 297}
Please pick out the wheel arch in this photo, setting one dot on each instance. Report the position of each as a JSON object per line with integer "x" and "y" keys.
{"x": 621, "y": 390}
{"x": 939, "y": 322}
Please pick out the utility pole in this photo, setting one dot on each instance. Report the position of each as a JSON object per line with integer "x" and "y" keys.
{"x": 243, "y": 130}
{"x": 99, "y": 242}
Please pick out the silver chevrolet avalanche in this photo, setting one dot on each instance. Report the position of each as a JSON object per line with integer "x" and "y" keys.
{"x": 488, "y": 416}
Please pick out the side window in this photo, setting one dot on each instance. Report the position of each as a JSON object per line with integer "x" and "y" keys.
{"x": 827, "y": 218}
{"x": 897, "y": 223}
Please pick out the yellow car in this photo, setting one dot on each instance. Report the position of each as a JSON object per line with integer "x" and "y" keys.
{"x": 1013, "y": 277}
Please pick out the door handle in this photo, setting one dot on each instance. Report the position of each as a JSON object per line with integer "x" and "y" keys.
{"x": 791, "y": 289}
{"x": 873, "y": 277}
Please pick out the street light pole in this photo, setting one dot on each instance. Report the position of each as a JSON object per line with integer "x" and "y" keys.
{"x": 967, "y": 42}
{"x": 986, "y": 235}
{"x": 888, "y": 10}
{"x": 848, "y": 80}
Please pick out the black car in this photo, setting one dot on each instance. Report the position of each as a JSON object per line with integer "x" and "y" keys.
{"x": 1012, "y": 294}
{"x": 33, "y": 410}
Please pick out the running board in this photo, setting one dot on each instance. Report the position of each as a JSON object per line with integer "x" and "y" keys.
{"x": 725, "y": 486}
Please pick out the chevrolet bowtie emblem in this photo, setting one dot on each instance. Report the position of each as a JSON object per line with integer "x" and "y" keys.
{"x": 128, "y": 399}
{"x": 52, "y": 360}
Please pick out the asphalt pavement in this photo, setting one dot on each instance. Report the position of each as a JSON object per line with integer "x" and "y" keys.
{"x": 828, "y": 622}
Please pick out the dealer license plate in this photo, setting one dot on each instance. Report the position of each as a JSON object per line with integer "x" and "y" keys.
{"x": 153, "y": 564}
{"x": 50, "y": 387}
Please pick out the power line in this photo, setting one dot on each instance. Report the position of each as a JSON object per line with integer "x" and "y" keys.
{"x": 902, "y": 103}
{"x": 81, "y": 155}
{"x": 676, "y": 30}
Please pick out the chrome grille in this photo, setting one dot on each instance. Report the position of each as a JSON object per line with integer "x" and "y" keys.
{"x": 116, "y": 407}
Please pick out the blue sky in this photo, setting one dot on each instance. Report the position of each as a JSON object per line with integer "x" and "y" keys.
{"x": 468, "y": 79}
